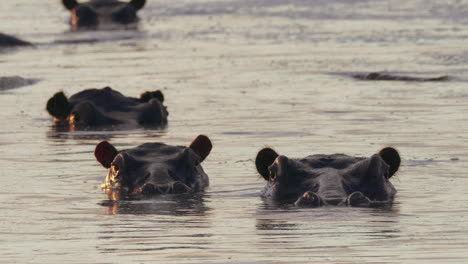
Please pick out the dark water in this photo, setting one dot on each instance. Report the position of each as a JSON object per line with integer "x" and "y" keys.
{"x": 248, "y": 73}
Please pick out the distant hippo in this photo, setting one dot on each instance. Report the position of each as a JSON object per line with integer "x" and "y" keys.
{"x": 98, "y": 13}
{"x": 10, "y": 41}
{"x": 107, "y": 107}
{"x": 10, "y": 82}
{"x": 155, "y": 168}
{"x": 336, "y": 179}
{"x": 378, "y": 76}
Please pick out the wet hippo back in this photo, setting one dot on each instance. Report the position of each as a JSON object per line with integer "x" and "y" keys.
{"x": 106, "y": 98}
{"x": 107, "y": 107}
{"x": 10, "y": 41}
{"x": 378, "y": 76}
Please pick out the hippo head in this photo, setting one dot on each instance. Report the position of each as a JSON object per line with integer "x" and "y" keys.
{"x": 104, "y": 107}
{"x": 336, "y": 179}
{"x": 155, "y": 168}
{"x": 99, "y": 13}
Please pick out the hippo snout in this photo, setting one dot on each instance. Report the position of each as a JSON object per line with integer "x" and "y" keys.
{"x": 312, "y": 199}
{"x": 174, "y": 188}
{"x": 358, "y": 199}
{"x": 309, "y": 199}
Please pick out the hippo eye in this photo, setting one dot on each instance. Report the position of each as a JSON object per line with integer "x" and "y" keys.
{"x": 272, "y": 169}
{"x": 272, "y": 176}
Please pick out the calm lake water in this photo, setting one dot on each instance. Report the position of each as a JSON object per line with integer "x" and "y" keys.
{"x": 247, "y": 73}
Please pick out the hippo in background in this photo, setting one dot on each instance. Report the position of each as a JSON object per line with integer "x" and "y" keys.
{"x": 155, "y": 168}
{"x": 10, "y": 82}
{"x": 379, "y": 76}
{"x": 107, "y": 107}
{"x": 103, "y": 14}
{"x": 10, "y": 41}
{"x": 336, "y": 179}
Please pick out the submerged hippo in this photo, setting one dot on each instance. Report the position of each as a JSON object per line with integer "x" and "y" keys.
{"x": 336, "y": 179}
{"x": 10, "y": 41}
{"x": 155, "y": 168}
{"x": 98, "y": 13}
{"x": 107, "y": 107}
{"x": 378, "y": 76}
{"x": 10, "y": 82}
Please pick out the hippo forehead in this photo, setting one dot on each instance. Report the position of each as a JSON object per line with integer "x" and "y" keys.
{"x": 159, "y": 154}
{"x": 106, "y": 7}
{"x": 316, "y": 168}
{"x": 334, "y": 161}
{"x": 106, "y": 99}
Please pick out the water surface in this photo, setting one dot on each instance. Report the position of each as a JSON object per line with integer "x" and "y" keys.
{"x": 248, "y": 73}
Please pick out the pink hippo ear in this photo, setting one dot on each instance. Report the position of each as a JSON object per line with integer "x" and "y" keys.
{"x": 105, "y": 153}
{"x": 202, "y": 146}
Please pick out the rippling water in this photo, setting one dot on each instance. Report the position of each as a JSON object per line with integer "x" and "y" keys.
{"x": 248, "y": 73}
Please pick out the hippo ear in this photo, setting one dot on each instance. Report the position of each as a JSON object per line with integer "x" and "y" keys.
{"x": 58, "y": 106}
{"x": 202, "y": 146}
{"x": 265, "y": 158}
{"x": 70, "y": 4}
{"x": 392, "y": 158}
{"x": 105, "y": 153}
{"x": 138, "y": 4}
{"x": 146, "y": 96}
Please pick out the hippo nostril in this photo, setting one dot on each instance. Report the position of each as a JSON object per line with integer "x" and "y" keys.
{"x": 358, "y": 199}
{"x": 179, "y": 187}
{"x": 309, "y": 199}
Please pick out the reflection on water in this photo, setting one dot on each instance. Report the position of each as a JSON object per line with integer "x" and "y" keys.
{"x": 104, "y": 133}
{"x": 169, "y": 204}
{"x": 272, "y": 204}
{"x": 246, "y": 73}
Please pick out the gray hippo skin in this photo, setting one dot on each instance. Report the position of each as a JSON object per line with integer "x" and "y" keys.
{"x": 378, "y": 76}
{"x": 107, "y": 107}
{"x": 336, "y": 179}
{"x": 96, "y": 13}
{"x": 10, "y": 41}
{"x": 155, "y": 168}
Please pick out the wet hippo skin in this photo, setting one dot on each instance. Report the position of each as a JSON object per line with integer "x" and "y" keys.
{"x": 107, "y": 107}
{"x": 95, "y": 13}
{"x": 10, "y": 41}
{"x": 336, "y": 179}
{"x": 378, "y": 76}
{"x": 155, "y": 168}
